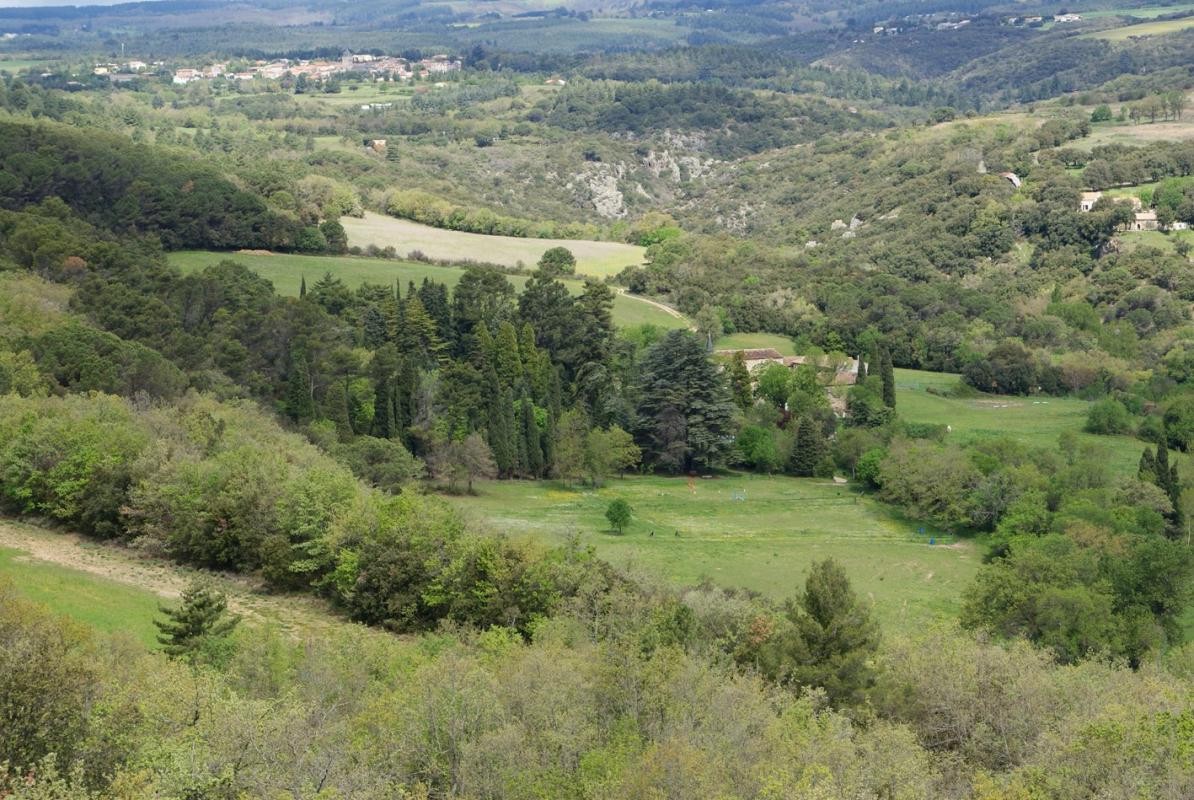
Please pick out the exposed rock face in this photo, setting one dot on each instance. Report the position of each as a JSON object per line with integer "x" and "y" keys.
{"x": 598, "y": 186}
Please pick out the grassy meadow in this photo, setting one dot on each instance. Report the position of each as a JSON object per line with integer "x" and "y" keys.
{"x": 1037, "y": 420}
{"x": 1157, "y": 28}
{"x": 286, "y": 272}
{"x": 750, "y": 341}
{"x": 764, "y": 541}
{"x": 103, "y": 604}
{"x": 595, "y": 259}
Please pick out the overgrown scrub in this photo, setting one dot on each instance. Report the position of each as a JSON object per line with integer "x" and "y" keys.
{"x": 602, "y": 702}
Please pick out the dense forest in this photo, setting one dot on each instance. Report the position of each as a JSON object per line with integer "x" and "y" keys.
{"x": 936, "y": 207}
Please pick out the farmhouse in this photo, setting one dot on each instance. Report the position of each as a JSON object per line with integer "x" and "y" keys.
{"x": 845, "y": 373}
{"x": 1086, "y": 200}
{"x": 1144, "y": 221}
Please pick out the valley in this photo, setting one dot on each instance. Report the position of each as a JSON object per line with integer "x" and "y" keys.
{"x": 447, "y": 400}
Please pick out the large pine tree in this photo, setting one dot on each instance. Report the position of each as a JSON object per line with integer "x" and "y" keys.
{"x": 685, "y": 415}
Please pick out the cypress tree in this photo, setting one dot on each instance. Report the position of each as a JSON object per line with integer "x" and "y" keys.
{"x": 1147, "y": 470}
{"x": 302, "y": 287}
{"x": 530, "y": 433}
{"x": 809, "y": 449}
{"x": 887, "y": 374}
{"x": 385, "y": 364}
{"x": 740, "y": 383}
{"x": 500, "y": 425}
{"x": 300, "y": 405}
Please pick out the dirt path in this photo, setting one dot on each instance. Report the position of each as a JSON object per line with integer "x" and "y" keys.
{"x": 296, "y": 614}
{"x": 661, "y": 306}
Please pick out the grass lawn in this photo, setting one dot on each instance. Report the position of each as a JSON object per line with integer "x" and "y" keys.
{"x": 597, "y": 259}
{"x": 1143, "y": 29}
{"x": 749, "y": 341}
{"x": 287, "y": 271}
{"x": 103, "y": 604}
{"x": 764, "y": 542}
{"x": 1036, "y": 421}
{"x": 1131, "y": 240}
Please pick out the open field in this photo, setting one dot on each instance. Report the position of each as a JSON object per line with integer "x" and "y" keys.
{"x": 597, "y": 259}
{"x": 1036, "y": 421}
{"x": 765, "y": 542}
{"x": 18, "y": 64}
{"x": 748, "y": 341}
{"x": 1167, "y": 242}
{"x": 111, "y": 588}
{"x": 1143, "y": 29}
{"x": 103, "y": 604}
{"x": 286, "y": 272}
{"x": 1136, "y": 134}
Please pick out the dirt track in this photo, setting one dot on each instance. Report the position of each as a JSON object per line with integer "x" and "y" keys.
{"x": 297, "y": 614}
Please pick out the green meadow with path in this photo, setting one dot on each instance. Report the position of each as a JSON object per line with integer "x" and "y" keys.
{"x": 286, "y": 272}
{"x": 748, "y": 531}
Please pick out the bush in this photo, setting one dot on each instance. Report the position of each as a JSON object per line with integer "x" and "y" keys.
{"x": 1108, "y": 417}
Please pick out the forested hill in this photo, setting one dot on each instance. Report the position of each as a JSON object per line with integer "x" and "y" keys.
{"x": 135, "y": 189}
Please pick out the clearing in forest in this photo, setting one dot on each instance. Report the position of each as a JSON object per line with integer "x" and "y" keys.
{"x": 1037, "y": 420}
{"x": 595, "y": 259}
{"x": 751, "y": 531}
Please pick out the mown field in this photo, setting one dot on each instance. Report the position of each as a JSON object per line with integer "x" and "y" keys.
{"x": 286, "y": 272}
{"x": 597, "y": 259}
{"x": 1037, "y": 421}
{"x": 751, "y": 531}
{"x": 1158, "y": 28}
{"x": 103, "y": 604}
{"x": 749, "y": 341}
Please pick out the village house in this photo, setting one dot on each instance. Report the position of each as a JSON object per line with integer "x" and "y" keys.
{"x": 1087, "y": 200}
{"x": 845, "y": 373}
{"x": 1067, "y": 18}
{"x": 1144, "y": 221}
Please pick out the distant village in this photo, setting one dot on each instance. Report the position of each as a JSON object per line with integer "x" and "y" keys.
{"x": 376, "y": 67}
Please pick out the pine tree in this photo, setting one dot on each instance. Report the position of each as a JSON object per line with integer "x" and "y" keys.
{"x": 417, "y": 337}
{"x": 302, "y": 287}
{"x": 887, "y": 375}
{"x": 831, "y": 641}
{"x": 200, "y": 618}
{"x": 809, "y": 450}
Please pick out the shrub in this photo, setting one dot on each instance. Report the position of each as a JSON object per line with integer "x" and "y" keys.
{"x": 1108, "y": 417}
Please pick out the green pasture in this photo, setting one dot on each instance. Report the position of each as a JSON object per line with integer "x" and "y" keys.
{"x": 596, "y": 259}
{"x": 1036, "y": 421}
{"x": 1158, "y": 28}
{"x": 751, "y": 531}
{"x": 102, "y": 604}
{"x": 1147, "y": 12}
{"x": 286, "y": 272}
{"x": 751, "y": 341}
{"x": 1131, "y": 240}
